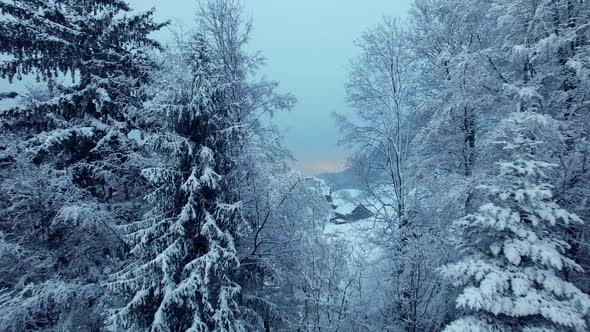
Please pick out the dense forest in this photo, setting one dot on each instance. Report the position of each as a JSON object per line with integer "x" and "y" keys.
{"x": 145, "y": 187}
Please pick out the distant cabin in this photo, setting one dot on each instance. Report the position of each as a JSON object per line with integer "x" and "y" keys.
{"x": 351, "y": 213}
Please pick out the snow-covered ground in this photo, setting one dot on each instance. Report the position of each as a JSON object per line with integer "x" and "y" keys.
{"x": 361, "y": 235}
{"x": 365, "y": 258}
{"x": 347, "y": 196}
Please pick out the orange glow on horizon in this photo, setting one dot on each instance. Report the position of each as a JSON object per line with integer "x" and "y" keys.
{"x": 316, "y": 167}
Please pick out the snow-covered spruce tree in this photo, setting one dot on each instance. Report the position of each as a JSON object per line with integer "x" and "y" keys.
{"x": 68, "y": 169}
{"x": 260, "y": 171}
{"x": 185, "y": 254}
{"x": 512, "y": 274}
{"x": 546, "y": 45}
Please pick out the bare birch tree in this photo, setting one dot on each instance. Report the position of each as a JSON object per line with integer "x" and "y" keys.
{"x": 378, "y": 90}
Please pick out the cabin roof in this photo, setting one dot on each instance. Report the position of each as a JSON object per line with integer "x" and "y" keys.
{"x": 362, "y": 207}
{"x": 346, "y": 208}
{"x": 351, "y": 211}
